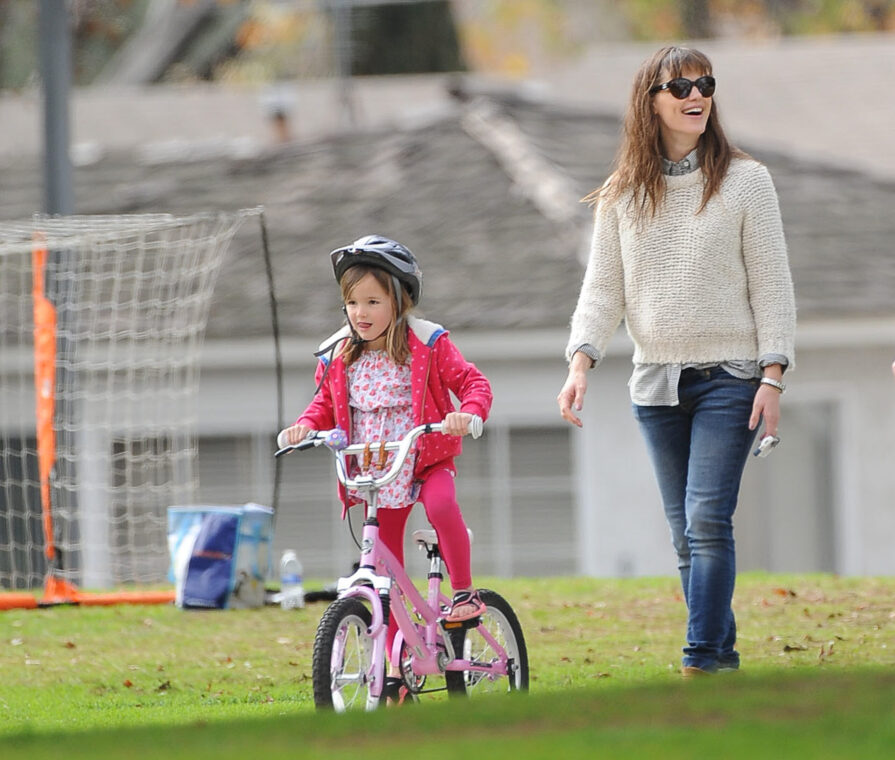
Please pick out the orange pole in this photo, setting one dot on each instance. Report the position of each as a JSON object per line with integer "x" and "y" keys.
{"x": 96, "y": 599}
{"x": 14, "y": 601}
{"x": 45, "y": 386}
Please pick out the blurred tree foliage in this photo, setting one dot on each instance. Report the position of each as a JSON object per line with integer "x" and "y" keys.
{"x": 405, "y": 39}
{"x": 281, "y": 39}
{"x": 99, "y": 28}
{"x": 665, "y": 19}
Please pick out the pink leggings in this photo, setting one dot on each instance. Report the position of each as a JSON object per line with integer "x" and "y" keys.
{"x": 439, "y": 499}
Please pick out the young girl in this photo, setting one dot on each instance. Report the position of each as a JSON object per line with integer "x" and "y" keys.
{"x": 688, "y": 248}
{"x": 388, "y": 372}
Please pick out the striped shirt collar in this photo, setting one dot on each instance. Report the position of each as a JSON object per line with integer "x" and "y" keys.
{"x": 687, "y": 164}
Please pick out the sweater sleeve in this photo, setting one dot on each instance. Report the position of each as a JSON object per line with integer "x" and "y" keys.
{"x": 601, "y": 301}
{"x": 767, "y": 268}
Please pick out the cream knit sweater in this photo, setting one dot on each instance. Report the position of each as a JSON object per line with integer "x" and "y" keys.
{"x": 707, "y": 287}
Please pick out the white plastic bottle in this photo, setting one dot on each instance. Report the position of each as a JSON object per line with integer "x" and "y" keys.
{"x": 292, "y": 591}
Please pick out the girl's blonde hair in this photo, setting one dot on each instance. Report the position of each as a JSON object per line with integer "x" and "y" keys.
{"x": 396, "y": 344}
{"x": 638, "y": 164}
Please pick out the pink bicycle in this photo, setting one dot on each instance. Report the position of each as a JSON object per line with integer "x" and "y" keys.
{"x": 483, "y": 655}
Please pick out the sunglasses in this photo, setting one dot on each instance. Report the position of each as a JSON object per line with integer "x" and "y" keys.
{"x": 680, "y": 87}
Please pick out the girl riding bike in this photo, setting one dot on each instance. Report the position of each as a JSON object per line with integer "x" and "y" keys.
{"x": 384, "y": 373}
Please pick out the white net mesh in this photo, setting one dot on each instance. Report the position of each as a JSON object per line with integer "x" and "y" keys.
{"x": 129, "y": 299}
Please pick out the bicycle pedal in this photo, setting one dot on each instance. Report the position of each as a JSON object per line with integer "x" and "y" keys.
{"x": 453, "y": 625}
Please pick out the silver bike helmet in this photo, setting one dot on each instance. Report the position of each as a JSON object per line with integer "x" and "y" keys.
{"x": 384, "y": 253}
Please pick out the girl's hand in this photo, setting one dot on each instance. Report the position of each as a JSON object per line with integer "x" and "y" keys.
{"x": 456, "y": 423}
{"x": 767, "y": 405}
{"x": 572, "y": 394}
{"x": 291, "y": 435}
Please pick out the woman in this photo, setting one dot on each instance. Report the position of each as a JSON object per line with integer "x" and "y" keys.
{"x": 688, "y": 248}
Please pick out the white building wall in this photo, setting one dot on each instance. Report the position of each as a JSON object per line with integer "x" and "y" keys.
{"x": 821, "y": 502}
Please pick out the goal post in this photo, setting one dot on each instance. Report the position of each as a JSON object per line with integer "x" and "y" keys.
{"x": 102, "y": 320}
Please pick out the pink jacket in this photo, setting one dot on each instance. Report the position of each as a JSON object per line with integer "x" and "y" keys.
{"x": 437, "y": 368}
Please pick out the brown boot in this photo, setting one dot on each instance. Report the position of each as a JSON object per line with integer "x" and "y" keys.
{"x": 689, "y": 672}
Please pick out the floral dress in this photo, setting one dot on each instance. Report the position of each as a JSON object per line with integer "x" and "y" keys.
{"x": 379, "y": 395}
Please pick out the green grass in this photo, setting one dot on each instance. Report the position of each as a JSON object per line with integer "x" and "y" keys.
{"x": 817, "y": 679}
{"x": 832, "y": 715}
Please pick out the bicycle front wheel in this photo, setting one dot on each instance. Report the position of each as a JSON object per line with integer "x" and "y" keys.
{"x": 343, "y": 656}
{"x": 501, "y": 623}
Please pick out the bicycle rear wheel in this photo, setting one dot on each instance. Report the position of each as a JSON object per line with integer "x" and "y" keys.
{"x": 343, "y": 653}
{"x": 469, "y": 644}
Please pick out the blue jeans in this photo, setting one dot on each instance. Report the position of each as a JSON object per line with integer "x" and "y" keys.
{"x": 699, "y": 449}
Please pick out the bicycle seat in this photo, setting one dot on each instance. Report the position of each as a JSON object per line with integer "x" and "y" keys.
{"x": 427, "y": 537}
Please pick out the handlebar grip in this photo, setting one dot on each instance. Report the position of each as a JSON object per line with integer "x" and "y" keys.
{"x": 307, "y": 443}
{"x": 476, "y": 425}
{"x": 283, "y": 445}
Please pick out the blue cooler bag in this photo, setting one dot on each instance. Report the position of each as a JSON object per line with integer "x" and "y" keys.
{"x": 220, "y": 556}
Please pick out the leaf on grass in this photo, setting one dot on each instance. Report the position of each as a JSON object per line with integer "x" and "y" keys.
{"x": 164, "y": 686}
{"x": 128, "y": 683}
{"x": 794, "y": 648}
{"x": 69, "y": 645}
{"x": 787, "y": 592}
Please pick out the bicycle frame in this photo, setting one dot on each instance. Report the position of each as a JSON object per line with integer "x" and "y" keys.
{"x": 383, "y": 583}
{"x": 379, "y": 577}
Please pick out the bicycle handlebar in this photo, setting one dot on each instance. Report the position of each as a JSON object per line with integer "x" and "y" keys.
{"x": 336, "y": 441}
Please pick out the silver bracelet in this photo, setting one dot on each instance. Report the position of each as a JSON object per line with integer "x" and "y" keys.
{"x": 773, "y": 383}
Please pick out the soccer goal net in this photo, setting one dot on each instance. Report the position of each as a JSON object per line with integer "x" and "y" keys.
{"x": 101, "y": 324}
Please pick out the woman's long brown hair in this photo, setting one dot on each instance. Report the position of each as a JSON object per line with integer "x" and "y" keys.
{"x": 396, "y": 344}
{"x": 638, "y": 164}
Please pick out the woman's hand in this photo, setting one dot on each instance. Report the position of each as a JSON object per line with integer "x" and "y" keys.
{"x": 571, "y": 397}
{"x": 767, "y": 405}
{"x": 291, "y": 435}
{"x": 456, "y": 423}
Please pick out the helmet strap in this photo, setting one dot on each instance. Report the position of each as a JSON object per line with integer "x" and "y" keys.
{"x": 399, "y": 296}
